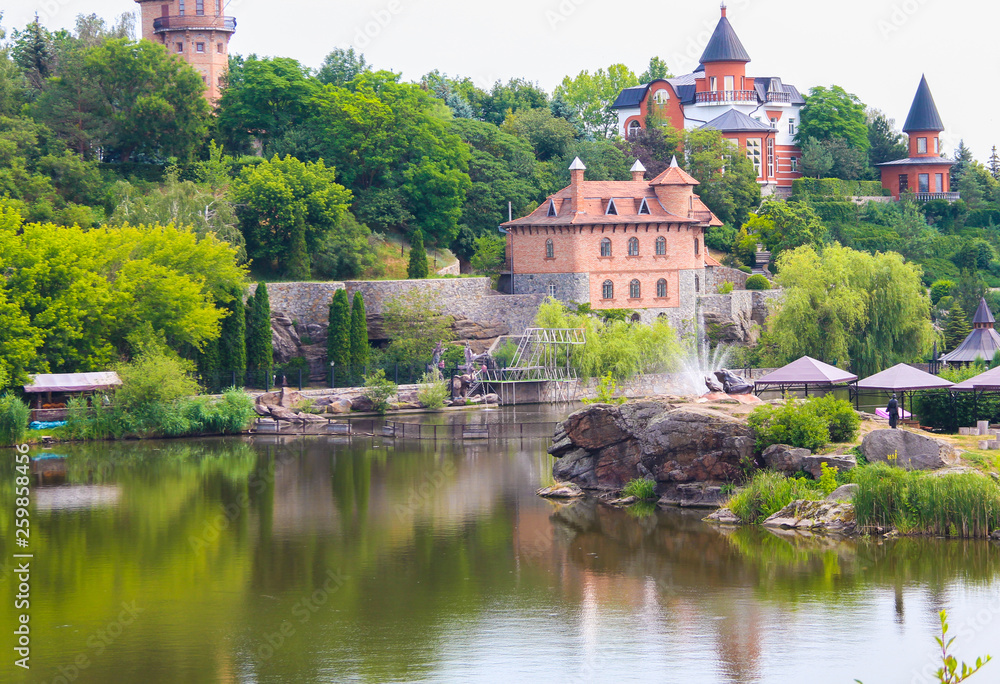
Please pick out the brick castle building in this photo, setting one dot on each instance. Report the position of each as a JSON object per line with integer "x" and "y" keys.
{"x": 634, "y": 244}
{"x": 924, "y": 172}
{"x": 195, "y": 30}
{"x": 758, "y": 114}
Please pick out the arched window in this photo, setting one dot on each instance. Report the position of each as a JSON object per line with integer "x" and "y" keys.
{"x": 636, "y": 318}
{"x": 608, "y": 290}
{"x": 550, "y": 250}
{"x": 634, "y": 127}
{"x": 634, "y": 289}
{"x": 696, "y": 246}
{"x": 697, "y": 284}
{"x": 633, "y": 246}
{"x": 661, "y": 288}
{"x": 661, "y": 97}
{"x": 661, "y": 246}
{"x": 606, "y": 247}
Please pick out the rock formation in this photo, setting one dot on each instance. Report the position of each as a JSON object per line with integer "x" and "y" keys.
{"x": 603, "y": 447}
{"x": 912, "y": 451}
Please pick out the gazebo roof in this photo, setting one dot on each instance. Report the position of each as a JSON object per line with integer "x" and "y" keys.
{"x": 807, "y": 371}
{"x": 990, "y": 380}
{"x": 73, "y": 382}
{"x": 903, "y": 378}
{"x": 981, "y": 343}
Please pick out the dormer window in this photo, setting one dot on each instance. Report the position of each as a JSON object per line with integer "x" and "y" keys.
{"x": 552, "y": 208}
{"x": 612, "y": 210}
{"x": 644, "y": 208}
{"x": 661, "y": 97}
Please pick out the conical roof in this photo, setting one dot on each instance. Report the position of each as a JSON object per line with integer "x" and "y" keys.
{"x": 923, "y": 114}
{"x": 983, "y": 314}
{"x": 674, "y": 175}
{"x": 807, "y": 371}
{"x": 725, "y": 45}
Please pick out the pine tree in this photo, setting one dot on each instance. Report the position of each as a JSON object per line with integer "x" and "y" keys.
{"x": 338, "y": 336}
{"x": 260, "y": 353}
{"x": 232, "y": 338}
{"x": 359, "y": 332}
{"x": 957, "y": 328}
{"x": 994, "y": 163}
{"x": 963, "y": 159}
{"x": 418, "y": 256}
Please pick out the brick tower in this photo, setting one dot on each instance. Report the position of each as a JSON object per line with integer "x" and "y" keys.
{"x": 196, "y": 30}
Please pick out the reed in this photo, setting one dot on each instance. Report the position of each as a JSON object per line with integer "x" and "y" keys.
{"x": 767, "y": 493}
{"x": 14, "y": 415}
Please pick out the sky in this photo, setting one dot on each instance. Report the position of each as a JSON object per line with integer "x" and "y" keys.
{"x": 876, "y": 49}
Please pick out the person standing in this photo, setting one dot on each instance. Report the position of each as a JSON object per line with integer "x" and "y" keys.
{"x": 893, "y": 410}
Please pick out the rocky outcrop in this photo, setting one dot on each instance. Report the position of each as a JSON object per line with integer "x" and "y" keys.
{"x": 603, "y": 446}
{"x": 815, "y": 516}
{"x": 561, "y": 490}
{"x": 790, "y": 460}
{"x": 911, "y": 450}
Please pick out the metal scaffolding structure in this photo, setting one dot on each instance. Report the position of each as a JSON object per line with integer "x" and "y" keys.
{"x": 543, "y": 355}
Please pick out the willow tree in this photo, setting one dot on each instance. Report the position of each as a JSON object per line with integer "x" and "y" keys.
{"x": 851, "y": 309}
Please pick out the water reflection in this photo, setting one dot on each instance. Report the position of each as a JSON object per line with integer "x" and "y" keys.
{"x": 317, "y": 559}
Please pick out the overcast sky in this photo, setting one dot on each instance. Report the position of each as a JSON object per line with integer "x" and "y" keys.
{"x": 876, "y": 49}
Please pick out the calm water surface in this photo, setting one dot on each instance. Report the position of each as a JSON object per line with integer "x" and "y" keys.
{"x": 321, "y": 560}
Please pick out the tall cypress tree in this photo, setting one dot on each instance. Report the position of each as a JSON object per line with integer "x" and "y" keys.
{"x": 298, "y": 254}
{"x": 208, "y": 365}
{"x": 260, "y": 353}
{"x": 417, "y": 267}
{"x": 338, "y": 336}
{"x": 359, "y": 332}
{"x": 232, "y": 338}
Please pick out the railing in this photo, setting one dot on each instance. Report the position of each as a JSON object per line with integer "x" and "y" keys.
{"x": 928, "y": 196}
{"x": 713, "y": 96}
{"x": 462, "y": 431}
{"x": 700, "y": 216}
{"x": 186, "y": 23}
{"x": 778, "y": 96}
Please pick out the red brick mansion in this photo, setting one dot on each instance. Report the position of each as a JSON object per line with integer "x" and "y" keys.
{"x": 635, "y": 244}
{"x": 758, "y": 114}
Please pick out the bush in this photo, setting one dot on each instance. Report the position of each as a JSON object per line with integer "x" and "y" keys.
{"x": 725, "y": 288}
{"x": 14, "y": 416}
{"x": 941, "y": 288}
{"x": 432, "y": 391}
{"x": 758, "y": 282}
{"x": 745, "y": 269}
{"x": 640, "y": 488}
{"x": 767, "y": 493}
{"x": 842, "y": 420}
{"x": 720, "y": 238}
{"x": 792, "y": 423}
{"x": 963, "y": 505}
{"x": 379, "y": 389}
{"x": 607, "y": 388}
{"x": 505, "y": 352}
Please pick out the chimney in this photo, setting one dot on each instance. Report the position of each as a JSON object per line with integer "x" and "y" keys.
{"x": 576, "y": 170}
{"x": 638, "y": 172}
{"x": 723, "y": 8}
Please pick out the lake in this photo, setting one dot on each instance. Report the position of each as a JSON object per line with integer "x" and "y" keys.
{"x": 322, "y": 559}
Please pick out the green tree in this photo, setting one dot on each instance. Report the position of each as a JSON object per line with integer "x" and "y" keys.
{"x": 359, "y": 332}
{"x": 286, "y": 209}
{"x": 260, "y": 352}
{"x": 513, "y": 96}
{"x": 941, "y": 288}
{"x": 816, "y": 159}
{"x": 233, "y": 338}
{"x": 548, "y": 135}
{"x": 957, "y": 328}
{"x": 590, "y": 96}
{"x": 727, "y": 178}
{"x": 338, "y": 336}
{"x": 831, "y": 113}
{"x": 848, "y": 163}
{"x": 993, "y": 163}
{"x": 969, "y": 289}
{"x": 464, "y": 247}
{"x": 781, "y": 226}
{"x": 346, "y": 251}
{"x": 859, "y": 311}
{"x": 657, "y": 70}
{"x": 963, "y": 159}
{"x": 340, "y": 67}
{"x": 415, "y": 322}
{"x": 884, "y": 142}
{"x": 489, "y": 256}
{"x": 417, "y": 267}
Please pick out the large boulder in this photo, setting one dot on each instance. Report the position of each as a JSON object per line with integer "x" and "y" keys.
{"x": 785, "y": 458}
{"x": 912, "y": 451}
{"x": 842, "y": 462}
{"x": 816, "y": 516}
{"x": 605, "y": 446}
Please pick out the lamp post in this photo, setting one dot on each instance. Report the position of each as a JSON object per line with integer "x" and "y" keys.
{"x": 509, "y": 234}
{"x": 333, "y": 377}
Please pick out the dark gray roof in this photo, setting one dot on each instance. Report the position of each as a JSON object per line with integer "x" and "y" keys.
{"x": 990, "y": 380}
{"x": 921, "y": 161}
{"x": 630, "y": 97}
{"x": 981, "y": 343}
{"x": 807, "y": 371}
{"x": 903, "y": 377}
{"x": 762, "y": 84}
{"x": 923, "y": 114}
{"x": 735, "y": 121}
{"x": 983, "y": 314}
{"x": 724, "y": 46}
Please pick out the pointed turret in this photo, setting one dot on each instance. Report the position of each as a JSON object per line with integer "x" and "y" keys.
{"x": 638, "y": 171}
{"x": 923, "y": 114}
{"x": 724, "y": 45}
{"x": 983, "y": 317}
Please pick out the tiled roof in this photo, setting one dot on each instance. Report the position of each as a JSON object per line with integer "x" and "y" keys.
{"x": 923, "y": 114}
{"x": 724, "y": 45}
{"x": 674, "y": 175}
{"x": 734, "y": 121}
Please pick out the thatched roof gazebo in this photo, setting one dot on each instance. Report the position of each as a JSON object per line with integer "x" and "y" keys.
{"x": 804, "y": 373}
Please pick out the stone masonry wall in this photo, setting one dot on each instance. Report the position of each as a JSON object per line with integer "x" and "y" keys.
{"x": 717, "y": 275}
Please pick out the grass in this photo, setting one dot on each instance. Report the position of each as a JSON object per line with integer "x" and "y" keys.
{"x": 960, "y": 505}
{"x": 14, "y": 416}
{"x": 640, "y": 488}
{"x": 392, "y": 258}
{"x": 767, "y": 493}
